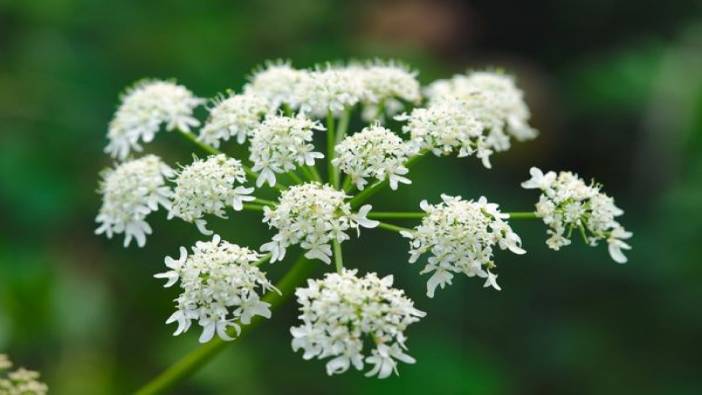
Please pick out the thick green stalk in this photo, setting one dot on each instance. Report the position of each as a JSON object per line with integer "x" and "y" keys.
{"x": 399, "y": 214}
{"x": 522, "y": 215}
{"x": 197, "y": 358}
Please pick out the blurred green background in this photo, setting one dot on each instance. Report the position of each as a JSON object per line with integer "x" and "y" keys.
{"x": 614, "y": 86}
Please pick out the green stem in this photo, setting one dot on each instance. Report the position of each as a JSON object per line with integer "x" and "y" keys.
{"x": 253, "y": 207}
{"x": 205, "y": 147}
{"x": 403, "y": 215}
{"x": 264, "y": 258}
{"x": 296, "y": 179}
{"x": 331, "y": 140}
{"x": 348, "y": 184}
{"x": 394, "y": 228}
{"x": 197, "y": 358}
{"x": 343, "y": 125}
{"x": 265, "y": 202}
{"x": 338, "y": 258}
{"x": 315, "y": 173}
{"x": 522, "y": 215}
{"x": 364, "y": 195}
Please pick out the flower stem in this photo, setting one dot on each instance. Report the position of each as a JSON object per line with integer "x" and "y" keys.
{"x": 197, "y": 358}
{"x": 264, "y": 258}
{"x": 253, "y": 207}
{"x": 265, "y": 202}
{"x": 315, "y": 173}
{"x": 338, "y": 258}
{"x": 343, "y": 125}
{"x": 375, "y": 188}
{"x": 394, "y": 228}
{"x": 348, "y": 184}
{"x": 331, "y": 141}
{"x": 522, "y": 215}
{"x": 296, "y": 179}
{"x": 403, "y": 215}
{"x": 205, "y": 147}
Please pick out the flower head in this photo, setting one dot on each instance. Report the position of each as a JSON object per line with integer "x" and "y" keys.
{"x": 342, "y": 312}
{"x": 447, "y": 127}
{"x": 375, "y": 152}
{"x": 567, "y": 203}
{"x": 130, "y": 192}
{"x": 388, "y": 85}
{"x": 330, "y": 89}
{"x": 20, "y": 381}
{"x": 493, "y": 94}
{"x": 144, "y": 108}
{"x": 280, "y": 144}
{"x": 208, "y": 186}
{"x": 461, "y": 236}
{"x": 220, "y": 283}
{"x": 236, "y": 116}
{"x": 277, "y": 83}
{"x": 312, "y": 215}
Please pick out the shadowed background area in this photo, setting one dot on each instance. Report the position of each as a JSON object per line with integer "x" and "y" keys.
{"x": 615, "y": 88}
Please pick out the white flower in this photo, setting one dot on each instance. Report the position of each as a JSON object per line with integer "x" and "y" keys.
{"x": 461, "y": 237}
{"x": 312, "y": 215}
{"x": 130, "y": 192}
{"x": 494, "y": 95}
{"x": 342, "y": 312}
{"x": 236, "y": 116}
{"x": 146, "y": 106}
{"x": 448, "y": 127}
{"x": 568, "y": 204}
{"x": 375, "y": 152}
{"x": 208, "y": 186}
{"x": 219, "y": 283}
{"x": 388, "y": 85}
{"x": 280, "y": 144}
{"x": 20, "y": 381}
{"x": 277, "y": 82}
{"x": 330, "y": 89}
{"x": 539, "y": 180}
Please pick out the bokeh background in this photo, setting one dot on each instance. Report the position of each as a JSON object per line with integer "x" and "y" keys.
{"x": 614, "y": 86}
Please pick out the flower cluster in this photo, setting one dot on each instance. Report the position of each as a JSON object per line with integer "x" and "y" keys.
{"x": 375, "y": 152}
{"x": 567, "y": 203}
{"x": 236, "y": 116}
{"x": 341, "y": 311}
{"x": 146, "y": 106}
{"x": 447, "y": 127}
{"x": 277, "y": 83}
{"x": 330, "y": 89}
{"x": 280, "y": 144}
{"x": 130, "y": 192}
{"x": 461, "y": 236}
{"x": 219, "y": 283}
{"x": 208, "y": 186}
{"x": 494, "y": 96}
{"x": 388, "y": 85}
{"x": 312, "y": 215}
{"x": 20, "y": 381}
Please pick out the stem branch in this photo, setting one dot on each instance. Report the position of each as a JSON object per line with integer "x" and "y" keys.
{"x": 197, "y": 358}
